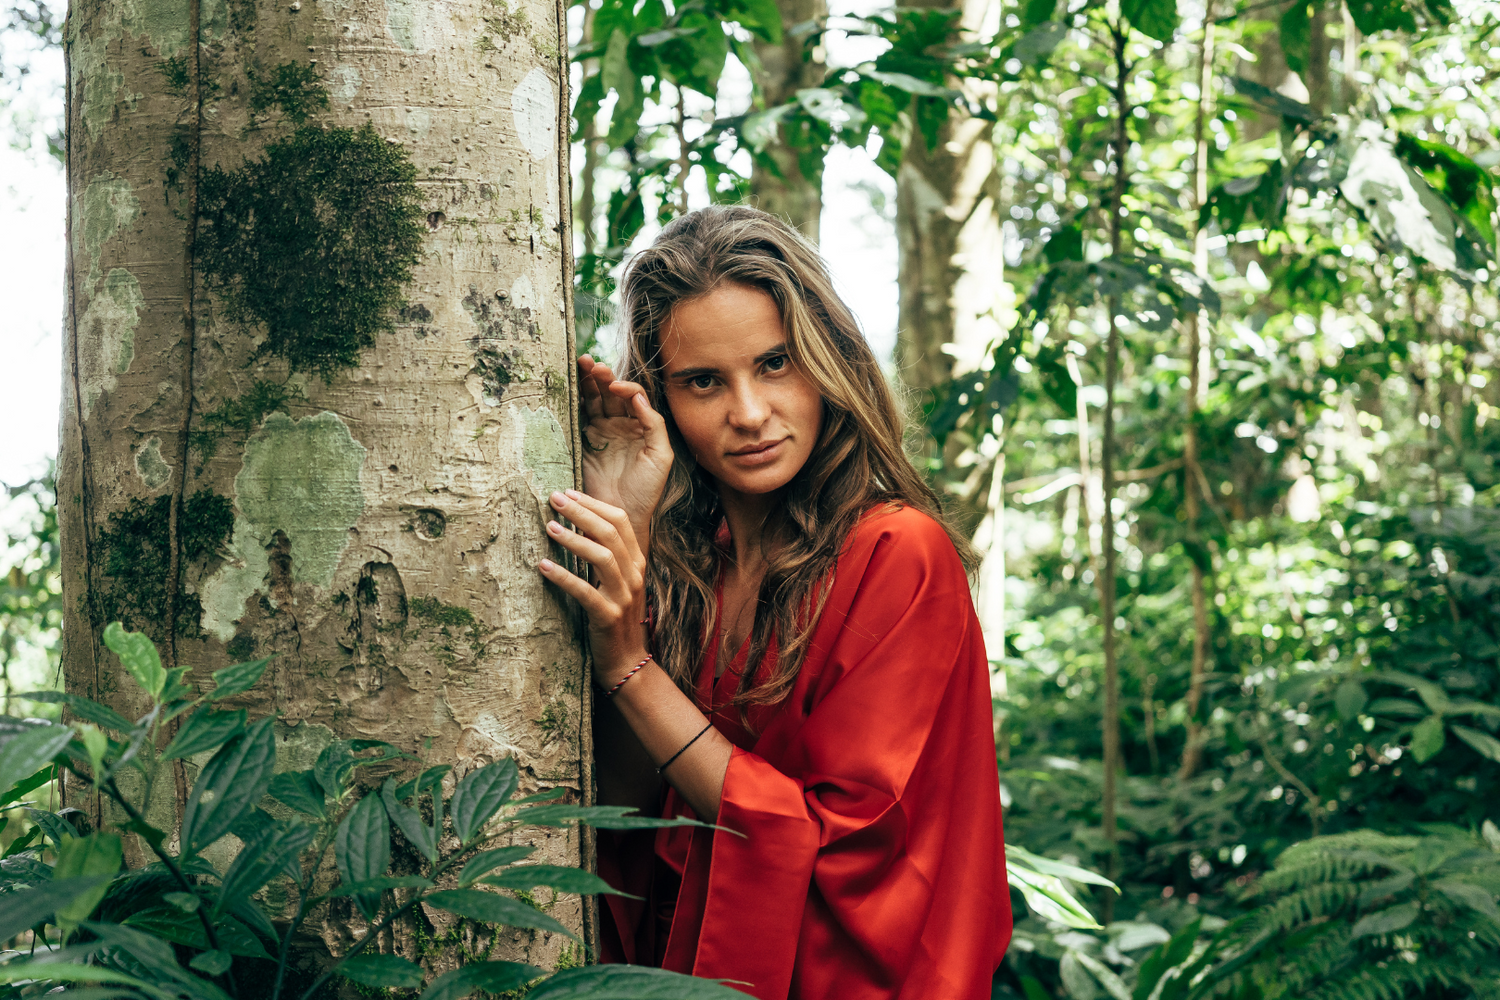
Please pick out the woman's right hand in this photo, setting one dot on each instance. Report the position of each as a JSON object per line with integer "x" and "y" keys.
{"x": 626, "y": 451}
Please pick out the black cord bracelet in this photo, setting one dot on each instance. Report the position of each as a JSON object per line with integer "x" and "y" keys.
{"x": 679, "y": 753}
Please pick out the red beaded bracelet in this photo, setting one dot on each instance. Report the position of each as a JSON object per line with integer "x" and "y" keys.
{"x": 633, "y": 671}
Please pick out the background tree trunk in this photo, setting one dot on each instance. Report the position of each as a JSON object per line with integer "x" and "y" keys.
{"x": 318, "y": 378}
{"x": 794, "y": 190}
{"x": 949, "y": 237}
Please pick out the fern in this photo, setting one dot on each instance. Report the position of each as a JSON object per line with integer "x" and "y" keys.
{"x": 1363, "y": 916}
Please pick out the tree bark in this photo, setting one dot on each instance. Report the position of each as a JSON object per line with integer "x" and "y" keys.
{"x": 948, "y": 234}
{"x": 362, "y": 497}
{"x": 791, "y": 186}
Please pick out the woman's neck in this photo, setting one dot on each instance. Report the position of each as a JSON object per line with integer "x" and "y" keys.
{"x": 747, "y": 515}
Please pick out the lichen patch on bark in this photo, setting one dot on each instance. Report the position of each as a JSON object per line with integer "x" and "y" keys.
{"x": 533, "y": 104}
{"x": 301, "y": 477}
{"x": 108, "y": 205}
{"x": 417, "y": 25}
{"x": 107, "y": 336}
{"x": 546, "y": 451}
{"x": 223, "y": 595}
{"x": 150, "y": 466}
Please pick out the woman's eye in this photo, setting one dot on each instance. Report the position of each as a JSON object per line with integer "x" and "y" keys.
{"x": 777, "y": 362}
{"x": 702, "y": 382}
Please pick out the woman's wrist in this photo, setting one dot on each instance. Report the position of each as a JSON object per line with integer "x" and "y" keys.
{"x": 611, "y": 674}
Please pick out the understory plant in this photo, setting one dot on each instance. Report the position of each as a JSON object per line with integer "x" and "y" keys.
{"x": 180, "y": 925}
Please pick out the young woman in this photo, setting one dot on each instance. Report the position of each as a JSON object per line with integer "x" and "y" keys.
{"x": 784, "y": 636}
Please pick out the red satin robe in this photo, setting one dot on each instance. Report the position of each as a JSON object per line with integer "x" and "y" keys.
{"x": 872, "y": 863}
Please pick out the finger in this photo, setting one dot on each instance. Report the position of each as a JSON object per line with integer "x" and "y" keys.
{"x": 654, "y": 423}
{"x": 602, "y": 522}
{"x": 625, "y": 389}
{"x": 593, "y": 602}
{"x": 598, "y": 556}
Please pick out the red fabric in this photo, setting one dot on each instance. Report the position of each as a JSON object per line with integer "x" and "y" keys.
{"x": 871, "y": 863}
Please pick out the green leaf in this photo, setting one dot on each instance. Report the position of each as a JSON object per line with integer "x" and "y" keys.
{"x": 1349, "y": 700}
{"x": 432, "y": 778}
{"x": 574, "y": 880}
{"x": 83, "y": 857}
{"x": 629, "y": 982}
{"x": 100, "y": 715}
{"x": 25, "y": 909}
{"x": 1427, "y": 738}
{"x": 229, "y": 786}
{"x": 492, "y": 908}
{"x": 299, "y": 790}
{"x": 1485, "y": 744}
{"x": 29, "y": 750}
{"x": 362, "y": 848}
{"x": 615, "y": 71}
{"x": 25, "y": 786}
{"x": 54, "y": 826}
{"x": 409, "y": 822}
{"x": 486, "y": 861}
{"x": 1395, "y": 706}
{"x": 382, "y": 971}
{"x": 171, "y": 924}
{"x": 492, "y": 977}
{"x": 1374, "y": 16}
{"x": 270, "y": 851}
{"x": 1155, "y": 18}
{"x": 138, "y": 655}
{"x": 1165, "y": 957}
{"x": 600, "y": 817}
{"x": 479, "y": 796}
{"x": 761, "y": 18}
{"x": 205, "y": 731}
{"x": 1475, "y": 897}
{"x": 237, "y": 679}
{"x": 154, "y": 956}
{"x": 379, "y": 885}
{"x": 1387, "y": 921}
{"x": 1296, "y": 36}
{"x": 21, "y": 971}
{"x": 184, "y": 901}
{"x": 1035, "y": 12}
{"x": 215, "y": 963}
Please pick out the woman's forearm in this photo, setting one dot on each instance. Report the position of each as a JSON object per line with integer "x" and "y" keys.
{"x": 664, "y": 719}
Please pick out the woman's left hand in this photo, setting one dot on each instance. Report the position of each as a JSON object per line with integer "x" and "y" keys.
{"x": 617, "y": 606}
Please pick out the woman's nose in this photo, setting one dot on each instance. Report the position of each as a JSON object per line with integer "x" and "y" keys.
{"x": 749, "y": 408}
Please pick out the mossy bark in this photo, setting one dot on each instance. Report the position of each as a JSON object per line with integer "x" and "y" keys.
{"x": 789, "y": 184}
{"x": 317, "y": 372}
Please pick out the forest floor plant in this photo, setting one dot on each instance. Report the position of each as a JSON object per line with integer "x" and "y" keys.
{"x": 180, "y": 927}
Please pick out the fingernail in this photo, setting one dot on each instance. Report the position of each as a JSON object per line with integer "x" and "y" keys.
{"x": 559, "y": 499}
{"x": 554, "y": 527}
{"x": 548, "y": 565}
{"x": 574, "y": 494}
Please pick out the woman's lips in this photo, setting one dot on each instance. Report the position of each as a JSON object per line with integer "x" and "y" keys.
{"x": 761, "y": 454}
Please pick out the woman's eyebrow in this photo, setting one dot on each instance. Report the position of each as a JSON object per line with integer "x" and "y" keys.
{"x": 706, "y": 370}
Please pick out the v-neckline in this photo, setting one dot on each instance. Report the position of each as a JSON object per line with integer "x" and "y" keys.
{"x": 718, "y": 641}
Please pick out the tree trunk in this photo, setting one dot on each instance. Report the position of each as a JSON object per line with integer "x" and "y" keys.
{"x": 317, "y": 374}
{"x": 791, "y": 186}
{"x": 949, "y": 237}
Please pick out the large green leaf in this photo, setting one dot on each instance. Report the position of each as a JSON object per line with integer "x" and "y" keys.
{"x": 1165, "y": 957}
{"x": 299, "y": 790}
{"x": 492, "y": 908}
{"x": 205, "y": 731}
{"x": 171, "y": 924}
{"x": 492, "y": 977}
{"x": 30, "y": 749}
{"x": 100, "y": 715}
{"x": 599, "y": 817}
{"x": 1387, "y": 921}
{"x": 229, "y": 786}
{"x": 237, "y": 679}
{"x": 409, "y": 822}
{"x": 1156, "y": 18}
{"x": 25, "y": 786}
{"x": 382, "y": 971}
{"x": 574, "y": 880}
{"x": 1427, "y": 738}
{"x": 362, "y": 848}
{"x": 486, "y": 861}
{"x": 16, "y": 972}
{"x": 629, "y": 982}
{"x": 138, "y": 655}
{"x": 479, "y": 796}
{"x": 1296, "y": 36}
{"x": 85, "y": 857}
{"x": 271, "y": 850}
{"x": 379, "y": 885}
{"x": 27, "y": 908}
{"x": 1484, "y": 743}
{"x": 152, "y": 955}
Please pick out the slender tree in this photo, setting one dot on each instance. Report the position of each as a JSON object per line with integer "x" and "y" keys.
{"x": 318, "y": 373}
{"x": 787, "y": 180}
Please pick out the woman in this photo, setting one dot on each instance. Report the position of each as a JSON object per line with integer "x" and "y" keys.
{"x": 784, "y": 634}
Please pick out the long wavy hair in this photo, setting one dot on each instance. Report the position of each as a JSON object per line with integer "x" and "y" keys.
{"x": 858, "y": 462}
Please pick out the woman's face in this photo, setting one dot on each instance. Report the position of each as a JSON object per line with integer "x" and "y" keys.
{"x": 747, "y": 414}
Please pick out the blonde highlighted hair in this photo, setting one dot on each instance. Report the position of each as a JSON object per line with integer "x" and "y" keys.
{"x": 857, "y": 464}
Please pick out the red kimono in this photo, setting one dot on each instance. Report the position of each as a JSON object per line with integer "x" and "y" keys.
{"x": 872, "y": 863}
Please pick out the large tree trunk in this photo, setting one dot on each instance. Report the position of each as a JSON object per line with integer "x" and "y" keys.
{"x": 790, "y": 185}
{"x": 949, "y": 236}
{"x": 317, "y": 375}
